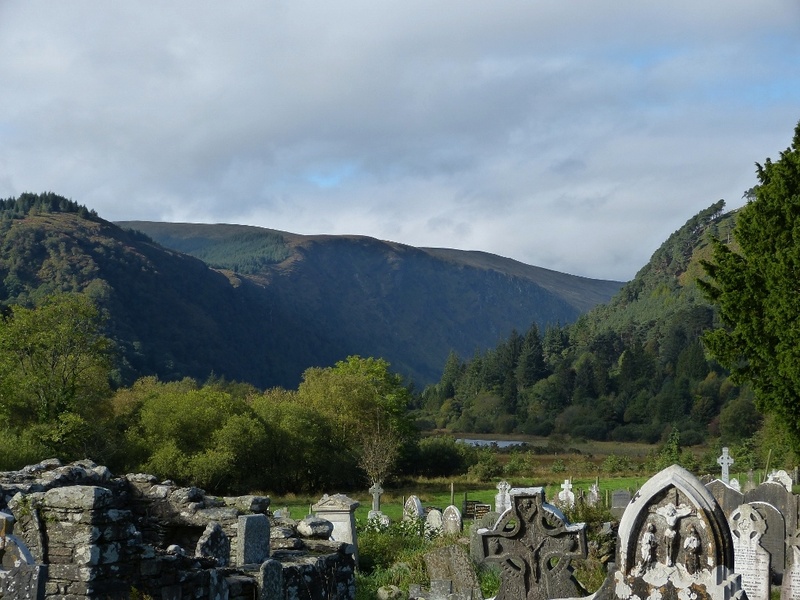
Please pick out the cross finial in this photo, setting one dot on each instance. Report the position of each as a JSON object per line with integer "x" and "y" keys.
{"x": 725, "y": 461}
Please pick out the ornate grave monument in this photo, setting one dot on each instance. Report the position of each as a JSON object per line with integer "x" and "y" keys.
{"x": 674, "y": 543}
{"x": 534, "y": 545}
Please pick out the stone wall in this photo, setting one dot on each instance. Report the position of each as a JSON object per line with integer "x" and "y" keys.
{"x": 83, "y": 533}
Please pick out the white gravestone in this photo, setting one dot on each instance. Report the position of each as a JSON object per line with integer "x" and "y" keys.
{"x": 451, "y": 520}
{"x": 502, "y": 501}
{"x": 413, "y": 509}
{"x": 726, "y": 462}
{"x": 751, "y": 561}
{"x": 565, "y": 497}
{"x": 790, "y": 590}
{"x": 434, "y": 521}
{"x": 781, "y": 477}
{"x": 593, "y": 497}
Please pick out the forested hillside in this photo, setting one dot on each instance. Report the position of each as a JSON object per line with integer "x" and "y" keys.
{"x": 632, "y": 369}
{"x": 308, "y": 301}
{"x": 411, "y": 306}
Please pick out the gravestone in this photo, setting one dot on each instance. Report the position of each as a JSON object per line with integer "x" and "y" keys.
{"x": 413, "y": 509}
{"x": 434, "y": 521}
{"x": 673, "y": 543}
{"x": 468, "y": 509}
{"x": 750, "y": 483}
{"x": 751, "y": 560}
{"x": 340, "y": 510}
{"x": 726, "y": 462}
{"x": 619, "y": 502}
{"x": 252, "y": 540}
{"x": 451, "y": 521}
{"x": 214, "y": 544}
{"x": 790, "y": 588}
{"x": 593, "y": 497}
{"x": 781, "y": 477}
{"x": 481, "y": 510}
{"x": 566, "y": 497}
{"x": 376, "y": 490}
{"x": 726, "y": 496}
{"x": 778, "y": 506}
{"x": 453, "y": 564}
{"x": 734, "y": 483}
{"x": 534, "y": 545}
{"x": 502, "y": 501}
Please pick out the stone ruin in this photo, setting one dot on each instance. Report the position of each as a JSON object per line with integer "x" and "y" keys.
{"x": 76, "y": 531}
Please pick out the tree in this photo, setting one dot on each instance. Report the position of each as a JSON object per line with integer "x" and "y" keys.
{"x": 54, "y": 359}
{"x": 754, "y": 283}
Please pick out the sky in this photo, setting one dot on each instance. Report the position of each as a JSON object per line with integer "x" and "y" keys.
{"x": 574, "y": 135}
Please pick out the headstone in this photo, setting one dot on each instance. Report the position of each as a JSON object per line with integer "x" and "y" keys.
{"x": 734, "y": 483}
{"x": 750, "y": 484}
{"x": 619, "y": 502}
{"x": 502, "y": 501}
{"x": 481, "y": 510}
{"x": 341, "y": 512}
{"x": 468, "y": 509}
{"x": 451, "y": 521}
{"x": 726, "y": 496}
{"x": 534, "y": 545}
{"x": 566, "y": 497}
{"x": 673, "y": 542}
{"x": 434, "y": 521}
{"x": 593, "y": 497}
{"x": 453, "y": 564}
{"x": 781, "y": 477}
{"x": 413, "y": 509}
{"x": 725, "y": 461}
{"x": 270, "y": 580}
{"x": 252, "y": 540}
{"x": 376, "y": 491}
{"x": 790, "y": 588}
{"x": 751, "y": 560}
{"x": 778, "y": 506}
{"x": 214, "y": 543}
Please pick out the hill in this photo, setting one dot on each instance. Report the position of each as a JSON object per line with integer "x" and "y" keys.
{"x": 409, "y": 305}
{"x": 631, "y": 369}
{"x": 295, "y": 302}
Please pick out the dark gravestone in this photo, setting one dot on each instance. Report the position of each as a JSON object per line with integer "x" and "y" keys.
{"x": 481, "y": 510}
{"x": 453, "y": 564}
{"x": 468, "y": 509}
{"x": 728, "y": 498}
{"x": 534, "y": 545}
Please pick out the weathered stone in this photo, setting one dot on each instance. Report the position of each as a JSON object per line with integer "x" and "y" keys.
{"x": 412, "y": 509}
{"x": 502, "y": 501}
{"x": 252, "y": 545}
{"x": 534, "y": 545}
{"x": 270, "y": 580}
{"x": 451, "y": 521}
{"x": 434, "y": 521}
{"x": 673, "y": 542}
{"x": 726, "y": 462}
{"x": 453, "y": 564}
{"x": 390, "y": 592}
{"x": 315, "y": 527}
{"x": 566, "y": 497}
{"x": 79, "y": 497}
{"x": 340, "y": 511}
{"x": 727, "y": 497}
{"x": 214, "y": 544}
{"x": 619, "y": 502}
{"x": 751, "y": 561}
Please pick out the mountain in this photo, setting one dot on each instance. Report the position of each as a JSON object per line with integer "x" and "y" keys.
{"x": 375, "y": 298}
{"x": 262, "y": 306}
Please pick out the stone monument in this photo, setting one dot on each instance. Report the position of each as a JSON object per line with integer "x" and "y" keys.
{"x": 566, "y": 497}
{"x": 502, "y": 501}
{"x": 451, "y": 521}
{"x": 751, "y": 560}
{"x": 341, "y": 512}
{"x": 726, "y": 462}
{"x": 534, "y": 545}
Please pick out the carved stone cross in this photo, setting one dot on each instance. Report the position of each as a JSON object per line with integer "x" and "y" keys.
{"x": 726, "y": 462}
{"x": 534, "y": 545}
{"x": 376, "y": 491}
{"x": 566, "y": 486}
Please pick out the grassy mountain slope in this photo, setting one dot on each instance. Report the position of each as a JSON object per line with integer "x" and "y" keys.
{"x": 409, "y": 305}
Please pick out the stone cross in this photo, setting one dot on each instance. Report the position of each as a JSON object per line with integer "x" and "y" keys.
{"x": 565, "y": 496}
{"x": 502, "y": 501}
{"x": 534, "y": 545}
{"x": 376, "y": 491}
{"x": 725, "y": 461}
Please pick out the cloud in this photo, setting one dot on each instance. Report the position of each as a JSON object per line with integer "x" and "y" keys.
{"x": 575, "y": 136}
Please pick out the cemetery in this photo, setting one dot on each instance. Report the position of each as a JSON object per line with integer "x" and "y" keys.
{"x": 76, "y": 531}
